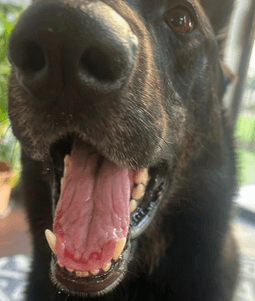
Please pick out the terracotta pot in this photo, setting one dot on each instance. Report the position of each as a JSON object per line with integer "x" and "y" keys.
{"x": 5, "y": 187}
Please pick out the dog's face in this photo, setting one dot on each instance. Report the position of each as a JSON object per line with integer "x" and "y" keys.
{"x": 114, "y": 98}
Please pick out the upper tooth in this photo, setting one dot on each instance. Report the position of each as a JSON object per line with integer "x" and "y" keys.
{"x": 132, "y": 205}
{"x": 138, "y": 192}
{"x": 119, "y": 246}
{"x": 66, "y": 164}
{"x": 141, "y": 176}
{"x": 62, "y": 182}
{"x": 59, "y": 204}
{"x": 60, "y": 264}
{"x": 51, "y": 239}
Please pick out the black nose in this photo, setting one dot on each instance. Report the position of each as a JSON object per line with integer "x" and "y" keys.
{"x": 56, "y": 47}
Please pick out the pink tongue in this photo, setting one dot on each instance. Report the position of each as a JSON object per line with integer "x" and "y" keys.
{"x": 93, "y": 211}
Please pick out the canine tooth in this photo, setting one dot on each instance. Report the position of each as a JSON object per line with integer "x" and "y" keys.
{"x": 138, "y": 192}
{"x": 132, "y": 205}
{"x": 106, "y": 266}
{"x": 119, "y": 246}
{"x": 66, "y": 164}
{"x": 94, "y": 272}
{"x": 51, "y": 239}
{"x": 142, "y": 176}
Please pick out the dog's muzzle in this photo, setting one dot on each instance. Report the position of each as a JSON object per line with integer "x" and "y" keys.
{"x": 91, "y": 112}
{"x": 57, "y": 48}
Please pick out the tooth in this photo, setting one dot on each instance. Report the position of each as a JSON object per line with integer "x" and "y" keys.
{"x": 106, "y": 267}
{"x": 66, "y": 164}
{"x": 138, "y": 192}
{"x": 78, "y": 273}
{"x": 132, "y": 205}
{"x": 81, "y": 274}
{"x": 51, "y": 239}
{"x": 94, "y": 272}
{"x": 142, "y": 176}
{"x": 66, "y": 168}
{"x": 69, "y": 270}
{"x": 62, "y": 182}
{"x": 119, "y": 246}
{"x": 84, "y": 274}
{"x": 60, "y": 264}
{"x": 59, "y": 204}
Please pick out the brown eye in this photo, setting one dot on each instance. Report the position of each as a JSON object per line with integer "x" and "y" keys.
{"x": 180, "y": 19}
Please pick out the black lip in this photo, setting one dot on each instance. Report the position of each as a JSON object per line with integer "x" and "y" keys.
{"x": 147, "y": 208}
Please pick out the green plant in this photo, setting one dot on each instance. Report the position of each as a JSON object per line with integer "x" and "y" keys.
{"x": 9, "y": 148}
{"x": 244, "y": 129}
{"x": 244, "y": 134}
{"x": 8, "y": 16}
{"x": 245, "y": 166}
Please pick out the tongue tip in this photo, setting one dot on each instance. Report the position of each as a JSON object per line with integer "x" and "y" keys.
{"x": 88, "y": 188}
{"x": 110, "y": 251}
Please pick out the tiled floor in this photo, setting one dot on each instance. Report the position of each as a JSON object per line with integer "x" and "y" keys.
{"x": 15, "y": 238}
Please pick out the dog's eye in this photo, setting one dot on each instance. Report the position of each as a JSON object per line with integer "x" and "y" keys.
{"x": 180, "y": 19}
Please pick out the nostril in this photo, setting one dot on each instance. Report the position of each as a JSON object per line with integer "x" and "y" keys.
{"x": 29, "y": 57}
{"x": 100, "y": 65}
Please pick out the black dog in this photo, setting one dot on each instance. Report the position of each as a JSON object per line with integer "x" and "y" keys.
{"x": 127, "y": 157}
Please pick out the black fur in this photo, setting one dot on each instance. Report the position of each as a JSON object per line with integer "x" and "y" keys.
{"x": 163, "y": 110}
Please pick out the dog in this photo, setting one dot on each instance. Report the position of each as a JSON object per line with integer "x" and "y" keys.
{"x": 128, "y": 164}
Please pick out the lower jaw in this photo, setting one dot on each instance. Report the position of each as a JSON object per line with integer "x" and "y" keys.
{"x": 90, "y": 286}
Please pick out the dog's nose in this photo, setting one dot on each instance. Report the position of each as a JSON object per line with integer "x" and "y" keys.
{"x": 56, "y": 46}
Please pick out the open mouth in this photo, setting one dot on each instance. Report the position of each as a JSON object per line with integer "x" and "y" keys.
{"x": 99, "y": 209}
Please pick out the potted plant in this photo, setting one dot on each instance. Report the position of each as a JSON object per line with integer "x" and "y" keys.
{"x": 9, "y": 169}
{"x": 8, "y": 179}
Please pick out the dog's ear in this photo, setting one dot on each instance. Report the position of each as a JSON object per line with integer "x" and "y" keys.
{"x": 219, "y": 13}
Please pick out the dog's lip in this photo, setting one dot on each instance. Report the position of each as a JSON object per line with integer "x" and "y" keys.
{"x": 139, "y": 221}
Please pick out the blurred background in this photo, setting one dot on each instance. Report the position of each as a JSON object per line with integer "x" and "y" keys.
{"x": 15, "y": 245}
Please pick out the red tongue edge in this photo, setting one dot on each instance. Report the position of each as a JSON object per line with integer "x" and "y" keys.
{"x": 93, "y": 210}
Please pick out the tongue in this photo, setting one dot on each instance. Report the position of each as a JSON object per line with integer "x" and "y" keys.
{"x": 93, "y": 210}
